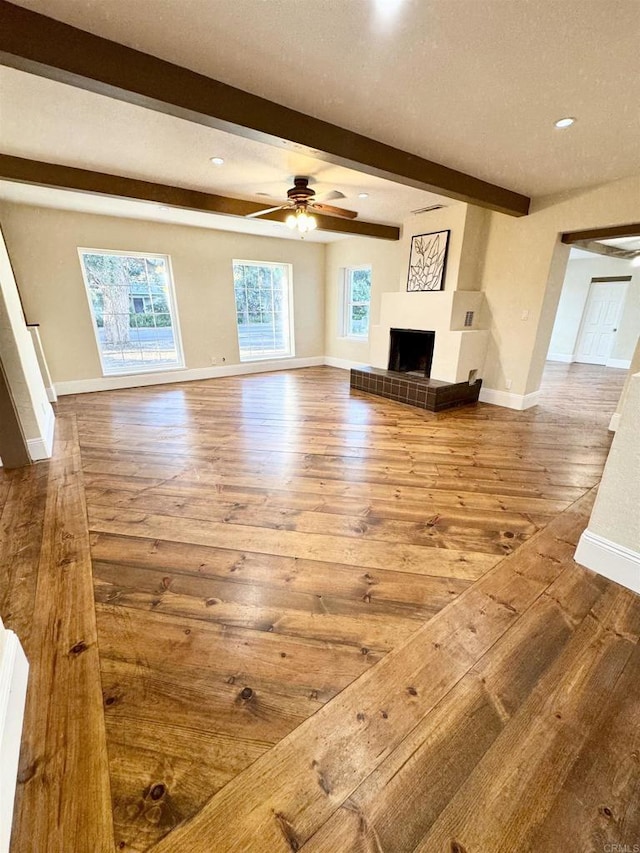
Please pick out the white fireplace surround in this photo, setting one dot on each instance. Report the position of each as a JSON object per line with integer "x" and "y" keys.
{"x": 458, "y": 349}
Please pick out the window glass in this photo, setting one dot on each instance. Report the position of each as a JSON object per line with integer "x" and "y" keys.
{"x": 132, "y": 304}
{"x": 357, "y": 301}
{"x": 263, "y": 309}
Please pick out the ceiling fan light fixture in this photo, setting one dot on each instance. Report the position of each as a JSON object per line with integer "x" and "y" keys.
{"x": 301, "y": 221}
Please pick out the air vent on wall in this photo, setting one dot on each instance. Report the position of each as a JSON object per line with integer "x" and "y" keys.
{"x": 429, "y": 209}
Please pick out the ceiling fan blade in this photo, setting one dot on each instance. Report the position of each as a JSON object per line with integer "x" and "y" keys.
{"x": 265, "y": 211}
{"x": 330, "y": 210}
{"x": 332, "y": 195}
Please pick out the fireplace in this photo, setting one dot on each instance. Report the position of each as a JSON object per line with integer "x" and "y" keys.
{"x": 411, "y": 351}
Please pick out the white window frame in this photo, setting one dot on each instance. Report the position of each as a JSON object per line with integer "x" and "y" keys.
{"x": 347, "y": 302}
{"x": 271, "y": 356}
{"x": 173, "y": 310}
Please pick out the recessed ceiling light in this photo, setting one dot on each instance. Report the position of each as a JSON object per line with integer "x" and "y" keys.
{"x": 363, "y": 195}
{"x": 565, "y": 122}
{"x": 217, "y": 161}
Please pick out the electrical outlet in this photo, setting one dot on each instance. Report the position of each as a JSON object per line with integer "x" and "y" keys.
{"x": 525, "y": 314}
{"x": 507, "y": 384}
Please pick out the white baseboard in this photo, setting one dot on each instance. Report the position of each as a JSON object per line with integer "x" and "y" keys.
{"x": 14, "y": 672}
{"x": 561, "y": 356}
{"x": 344, "y": 363}
{"x": 42, "y": 448}
{"x": 609, "y": 559}
{"x": 509, "y": 400}
{"x": 614, "y": 422}
{"x": 622, "y": 363}
{"x": 111, "y": 383}
{"x": 139, "y": 380}
{"x": 52, "y": 397}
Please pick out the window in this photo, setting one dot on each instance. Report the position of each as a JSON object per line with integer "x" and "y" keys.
{"x": 357, "y": 299}
{"x": 133, "y": 309}
{"x": 264, "y": 309}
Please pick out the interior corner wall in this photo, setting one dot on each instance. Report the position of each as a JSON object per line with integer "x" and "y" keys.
{"x": 389, "y": 266}
{"x": 21, "y": 364}
{"x": 611, "y": 543}
{"x": 476, "y": 234}
{"x": 573, "y": 300}
{"x": 453, "y": 218}
{"x": 44, "y": 249}
{"x": 384, "y": 258}
{"x": 523, "y": 273}
{"x": 634, "y": 368}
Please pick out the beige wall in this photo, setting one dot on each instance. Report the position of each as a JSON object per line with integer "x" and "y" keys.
{"x": 524, "y": 270}
{"x": 573, "y": 299}
{"x": 518, "y": 263}
{"x": 616, "y": 513}
{"x": 384, "y": 258}
{"x": 611, "y": 543}
{"x": 19, "y": 359}
{"x": 44, "y": 244}
{"x": 634, "y": 368}
{"x": 390, "y": 262}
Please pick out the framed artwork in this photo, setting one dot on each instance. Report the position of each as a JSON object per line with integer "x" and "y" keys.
{"x": 428, "y": 261}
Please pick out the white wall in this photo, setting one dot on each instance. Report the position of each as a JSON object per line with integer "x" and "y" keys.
{"x": 21, "y": 365}
{"x": 44, "y": 244}
{"x": 573, "y": 299}
{"x": 14, "y": 671}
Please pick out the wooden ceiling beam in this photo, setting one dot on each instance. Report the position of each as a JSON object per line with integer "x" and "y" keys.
{"x": 631, "y": 229}
{"x": 41, "y": 45}
{"x": 606, "y": 250}
{"x": 116, "y": 186}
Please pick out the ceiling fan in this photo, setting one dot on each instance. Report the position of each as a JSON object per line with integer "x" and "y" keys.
{"x": 302, "y": 203}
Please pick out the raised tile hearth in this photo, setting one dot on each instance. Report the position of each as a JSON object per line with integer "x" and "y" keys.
{"x": 419, "y": 391}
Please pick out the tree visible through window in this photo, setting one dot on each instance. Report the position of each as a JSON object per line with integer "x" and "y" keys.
{"x": 131, "y": 300}
{"x": 263, "y": 309}
{"x": 357, "y": 301}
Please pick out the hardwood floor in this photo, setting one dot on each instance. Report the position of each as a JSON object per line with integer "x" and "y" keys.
{"x": 321, "y": 621}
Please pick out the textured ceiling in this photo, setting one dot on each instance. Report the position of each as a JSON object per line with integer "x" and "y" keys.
{"x": 474, "y": 84}
{"x": 44, "y": 120}
{"x": 123, "y": 207}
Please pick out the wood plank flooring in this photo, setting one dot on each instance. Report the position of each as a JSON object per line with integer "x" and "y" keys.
{"x": 325, "y": 621}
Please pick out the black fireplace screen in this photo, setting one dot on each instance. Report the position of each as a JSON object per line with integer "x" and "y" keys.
{"x": 411, "y": 351}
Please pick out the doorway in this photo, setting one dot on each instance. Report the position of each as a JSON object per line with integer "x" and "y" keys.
{"x": 600, "y": 320}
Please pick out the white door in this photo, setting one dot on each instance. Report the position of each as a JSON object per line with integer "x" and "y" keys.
{"x": 600, "y": 321}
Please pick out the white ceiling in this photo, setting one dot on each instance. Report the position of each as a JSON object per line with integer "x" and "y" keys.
{"x": 631, "y": 244}
{"x": 474, "y": 84}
